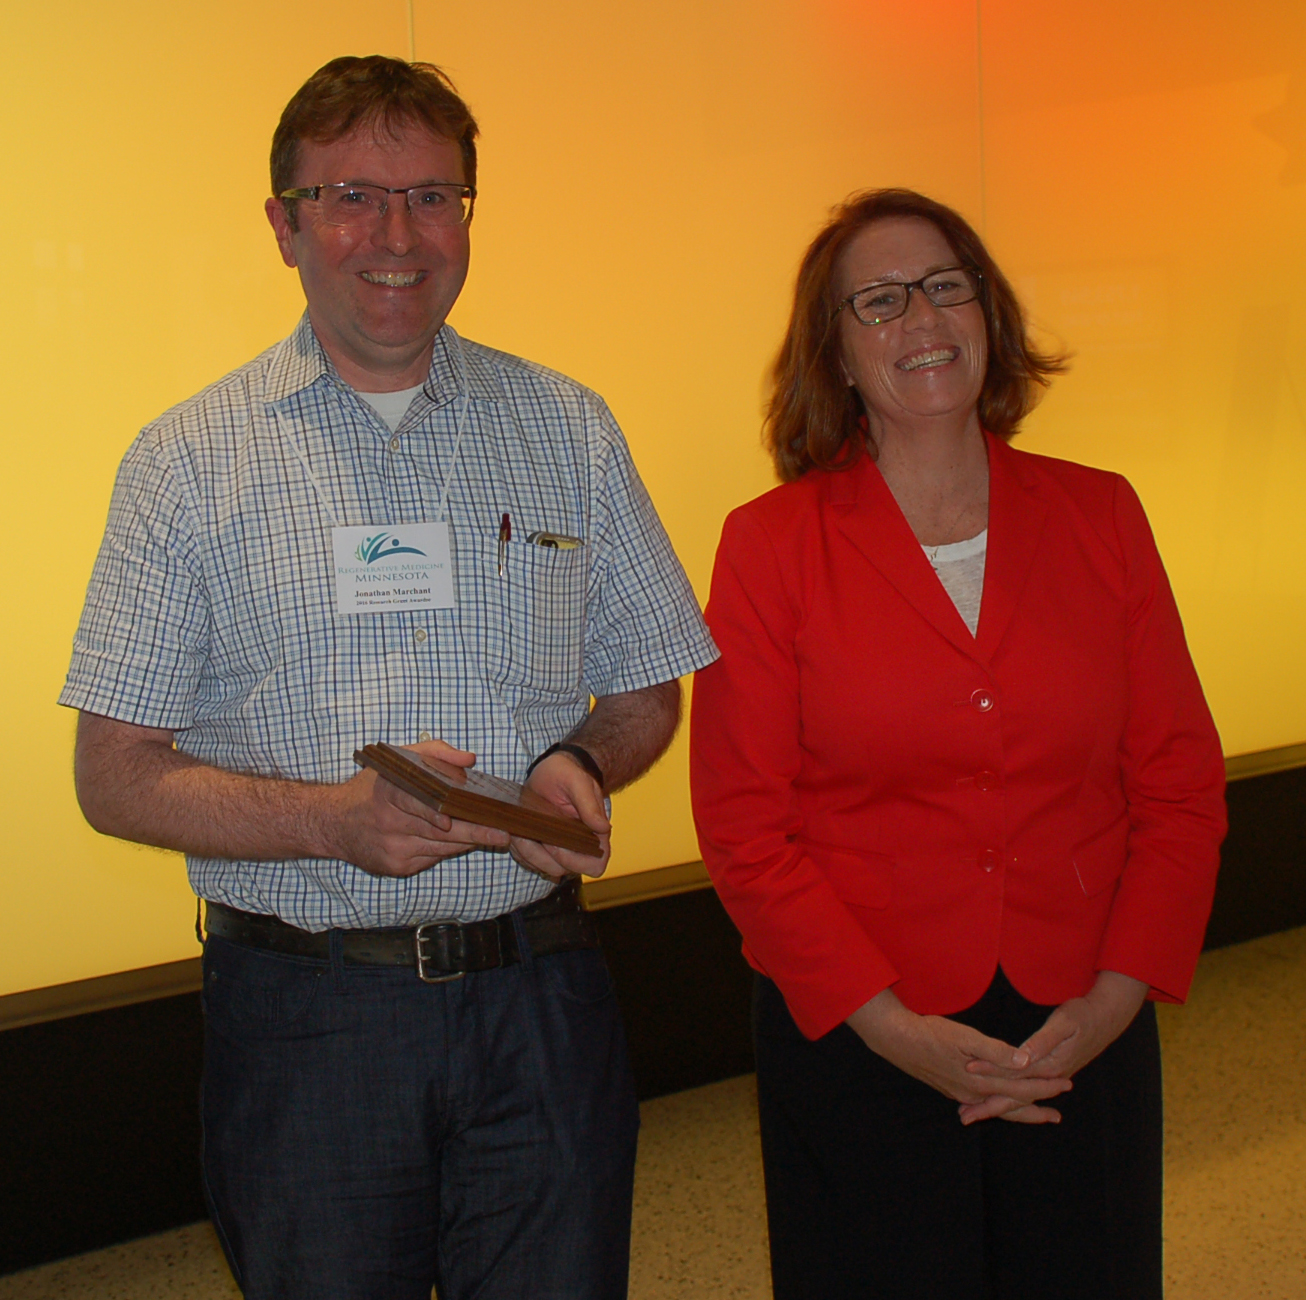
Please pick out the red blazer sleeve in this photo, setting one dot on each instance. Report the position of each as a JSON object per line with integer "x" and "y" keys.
{"x": 744, "y": 757}
{"x": 1173, "y": 775}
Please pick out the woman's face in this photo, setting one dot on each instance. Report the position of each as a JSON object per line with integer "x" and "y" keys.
{"x": 928, "y": 362}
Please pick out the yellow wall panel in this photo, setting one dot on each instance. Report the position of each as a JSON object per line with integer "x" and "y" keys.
{"x": 140, "y": 268}
{"x": 650, "y": 177}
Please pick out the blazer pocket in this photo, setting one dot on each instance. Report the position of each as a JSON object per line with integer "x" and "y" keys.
{"x": 863, "y": 879}
{"x": 1100, "y": 859}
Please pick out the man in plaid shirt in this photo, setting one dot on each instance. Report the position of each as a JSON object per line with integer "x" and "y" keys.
{"x": 414, "y": 1069}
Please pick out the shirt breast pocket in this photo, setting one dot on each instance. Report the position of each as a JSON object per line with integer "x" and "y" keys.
{"x": 537, "y": 616}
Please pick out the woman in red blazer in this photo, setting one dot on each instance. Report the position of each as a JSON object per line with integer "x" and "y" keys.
{"x": 956, "y": 783}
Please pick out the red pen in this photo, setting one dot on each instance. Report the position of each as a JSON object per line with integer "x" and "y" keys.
{"x": 505, "y": 536}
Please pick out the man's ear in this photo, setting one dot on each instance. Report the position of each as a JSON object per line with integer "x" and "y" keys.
{"x": 280, "y": 223}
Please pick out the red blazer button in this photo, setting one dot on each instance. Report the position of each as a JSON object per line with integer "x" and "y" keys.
{"x": 988, "y": 781}
{"x": 989, "y": 859}
{"x": 982, "y": 700}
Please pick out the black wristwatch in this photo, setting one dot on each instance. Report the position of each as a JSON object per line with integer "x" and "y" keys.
{"x": 578, "y": 752}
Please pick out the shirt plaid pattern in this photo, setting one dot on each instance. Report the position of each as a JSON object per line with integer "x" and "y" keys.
{"x": 211, "y": 608}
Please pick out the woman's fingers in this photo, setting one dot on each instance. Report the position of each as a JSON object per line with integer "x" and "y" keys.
{"x": 999, "y": 1107}
{"x": 1032, "y": 1115}
{"x": 1021, "y": 1092}
{"x": 1059, "y": 1027}
{"x": 980, "y": 1048}
{"x": 1039, "y": 1050}
{"x": 936, "y": 1051}
{"x": 1001, "y": 1087}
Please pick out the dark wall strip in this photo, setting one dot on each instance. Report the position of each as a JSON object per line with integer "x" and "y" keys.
{"x": 99, "y": 1126}
{"x": 1262, "y": 884}
{"x": 99, "y": 1136}
{"x": 99, "y": 1129}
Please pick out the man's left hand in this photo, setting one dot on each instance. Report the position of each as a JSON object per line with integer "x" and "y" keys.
{"x": 565, "y": 784}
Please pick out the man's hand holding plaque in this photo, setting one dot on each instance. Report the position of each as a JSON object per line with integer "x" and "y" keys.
{"x": 480, "y": 798}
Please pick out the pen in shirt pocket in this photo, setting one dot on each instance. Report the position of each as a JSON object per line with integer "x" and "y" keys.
{"x": 505, "y": 536}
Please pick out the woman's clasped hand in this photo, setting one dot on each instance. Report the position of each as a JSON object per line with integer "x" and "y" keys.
{"x": 988, "y": 1077}
{"x": 1075, "y": 1033}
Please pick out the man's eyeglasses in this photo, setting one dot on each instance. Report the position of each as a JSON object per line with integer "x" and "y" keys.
{"x": 950, "y": 287}
{"x": 346, "y": 204}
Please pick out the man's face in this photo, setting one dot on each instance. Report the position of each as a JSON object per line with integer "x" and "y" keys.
{"x": 377, "y": 295}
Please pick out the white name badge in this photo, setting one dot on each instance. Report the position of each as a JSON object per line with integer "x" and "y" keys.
{"x": 392, "y": 566}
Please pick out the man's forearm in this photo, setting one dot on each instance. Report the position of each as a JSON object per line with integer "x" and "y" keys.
{"x": 131, "y": 783}
{"x": 627, "y": 733}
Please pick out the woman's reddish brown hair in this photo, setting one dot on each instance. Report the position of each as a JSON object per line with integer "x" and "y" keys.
{"x": 814, "y": 418}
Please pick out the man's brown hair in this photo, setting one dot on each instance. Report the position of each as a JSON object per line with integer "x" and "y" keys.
{"x": 386, "y": 94}
{"x": 814, "y": 419}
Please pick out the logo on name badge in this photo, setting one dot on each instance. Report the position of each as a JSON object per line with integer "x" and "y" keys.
{"x": 382, "y": 547}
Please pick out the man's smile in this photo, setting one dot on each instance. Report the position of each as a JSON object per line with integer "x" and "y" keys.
{"x": 393, "y": 279}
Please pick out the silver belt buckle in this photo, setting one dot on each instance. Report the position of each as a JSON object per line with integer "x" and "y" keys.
{"x": 419, "y": 934}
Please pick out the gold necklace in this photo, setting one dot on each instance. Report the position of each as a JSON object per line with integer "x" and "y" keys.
{"x": 932, "y": 552}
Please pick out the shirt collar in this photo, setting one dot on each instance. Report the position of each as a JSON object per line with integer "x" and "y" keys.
{"x": 300, "y": 361}
{"x": 296, "y": 363}
{"x": 442, "y": 381}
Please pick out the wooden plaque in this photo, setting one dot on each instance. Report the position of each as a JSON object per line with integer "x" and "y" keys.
{"x": 474, "y": 796}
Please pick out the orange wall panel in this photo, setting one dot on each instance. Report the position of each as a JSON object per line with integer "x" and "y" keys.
{"x": 1145, "y": 189}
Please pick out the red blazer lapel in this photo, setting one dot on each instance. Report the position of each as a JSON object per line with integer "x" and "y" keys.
{"x": 1016, "y": 519}
{"x": 864, "y": 511}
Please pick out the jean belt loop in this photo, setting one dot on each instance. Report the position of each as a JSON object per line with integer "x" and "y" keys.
{"x": 523, "y": 940}
{"x": 336, "y": 951}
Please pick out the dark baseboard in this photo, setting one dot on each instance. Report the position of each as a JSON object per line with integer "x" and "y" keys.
{"x": 99, "y": 1130}
{"x": 1262, "y": 883}
{"x": 684, "y": 989}
{"x": 99, "y": 1135}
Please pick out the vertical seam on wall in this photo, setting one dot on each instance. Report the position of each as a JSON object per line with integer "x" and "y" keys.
{"x": 1292, "y": 392}
{"x": 412, "y": 35}
{"x": 979, "y": 96}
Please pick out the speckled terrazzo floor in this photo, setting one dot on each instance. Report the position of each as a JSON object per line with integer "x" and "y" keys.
{"x": 1235, "y": 1069}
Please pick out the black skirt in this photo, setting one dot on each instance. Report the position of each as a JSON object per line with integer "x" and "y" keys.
{"x": 875, "y": 1189}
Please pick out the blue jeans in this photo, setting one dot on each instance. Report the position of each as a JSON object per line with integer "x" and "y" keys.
{"x": 367, "y": 1135}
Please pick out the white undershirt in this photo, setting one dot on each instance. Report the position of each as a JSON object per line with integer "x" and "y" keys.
{"x": 960, "y": 566}
{"x": 391, "y": 407}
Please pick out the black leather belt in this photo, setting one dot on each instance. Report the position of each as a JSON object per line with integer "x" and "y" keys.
{"x": 438, "y": 950}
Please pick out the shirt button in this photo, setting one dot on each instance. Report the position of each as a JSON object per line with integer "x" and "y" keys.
{"x": 423, "y": 735}
{"x": 987, "y": 781}
{"x": 420, "y": 635}
{"x": 989, "y": 859}
{"x": 394, "y": 444}
{"x": 982, "y": 700}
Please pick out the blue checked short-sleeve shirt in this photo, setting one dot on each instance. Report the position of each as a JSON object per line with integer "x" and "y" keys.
{"x": 211, "y": 610}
